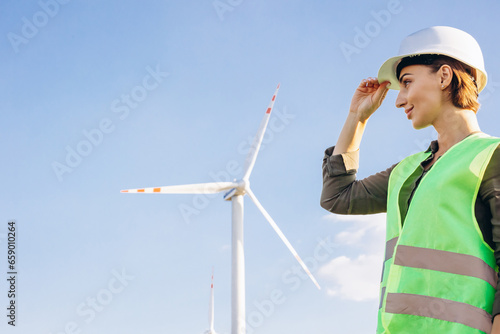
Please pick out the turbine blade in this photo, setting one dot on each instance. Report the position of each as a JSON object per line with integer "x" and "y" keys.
{"x": 199, "y": 188}
{"x": 281, "y": 235}
{"x": 257, "y": 141}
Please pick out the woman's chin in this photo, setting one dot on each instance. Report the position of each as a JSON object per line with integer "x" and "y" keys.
{"x": 418, "y": 126}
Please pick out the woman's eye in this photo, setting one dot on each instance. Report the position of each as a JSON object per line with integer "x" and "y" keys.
{"x": 406, "y": 83}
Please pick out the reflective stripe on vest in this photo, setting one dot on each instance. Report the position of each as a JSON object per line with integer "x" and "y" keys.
{"x": 449, "y": 262}
{"x": 389, "y": 248}
{"x": 439, "y": 308}
{"x": 389, "y": 251}
{"x": 439, "y": 274}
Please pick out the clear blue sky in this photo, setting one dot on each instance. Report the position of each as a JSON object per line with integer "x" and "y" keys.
{"x": 102, "y": 96}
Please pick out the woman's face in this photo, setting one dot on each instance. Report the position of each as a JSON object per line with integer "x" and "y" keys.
{"x": 420, "y": 95}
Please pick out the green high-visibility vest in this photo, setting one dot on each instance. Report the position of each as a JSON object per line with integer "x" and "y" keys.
{"x": 439, "y": 274}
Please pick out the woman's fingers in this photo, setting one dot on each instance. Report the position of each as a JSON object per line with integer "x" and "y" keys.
{"x": 382, "y": 90}
{"x": 369, "y": 82}
{"x": 368, "y": 97}
{"x": 380, "y": 94}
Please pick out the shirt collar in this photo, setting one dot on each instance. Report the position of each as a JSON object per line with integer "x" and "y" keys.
{"x": 433, "y": 147}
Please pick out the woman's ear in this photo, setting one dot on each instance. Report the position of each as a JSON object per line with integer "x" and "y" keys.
{"x": 445, "y": 74}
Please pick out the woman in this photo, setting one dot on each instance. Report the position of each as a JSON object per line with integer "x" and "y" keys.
{"x": 443, "y": 205}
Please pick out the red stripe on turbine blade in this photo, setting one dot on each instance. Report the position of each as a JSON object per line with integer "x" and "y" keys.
{"x": 124, "y": 191}
{"x": 268, "y": 111}
{"x": 156, "y": 190}
{"x": 274, "y": 96}
{"x": 140, "y": 190}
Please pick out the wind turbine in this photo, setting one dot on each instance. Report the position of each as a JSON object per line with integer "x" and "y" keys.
{"x": 211, "y": 330}
{"x": 235, "y": 192}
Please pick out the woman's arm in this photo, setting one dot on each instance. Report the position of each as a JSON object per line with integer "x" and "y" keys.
{"x": 368, "y": 96}
{"x": 341, "y": 192}
{"x": 496, "y": 326}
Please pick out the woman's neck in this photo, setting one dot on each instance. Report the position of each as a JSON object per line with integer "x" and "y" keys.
{"x": 454, "y": 125}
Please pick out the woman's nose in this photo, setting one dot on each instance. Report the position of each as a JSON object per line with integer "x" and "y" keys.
{"x": 400, "y": 100}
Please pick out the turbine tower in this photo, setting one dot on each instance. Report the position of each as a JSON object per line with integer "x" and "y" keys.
{"x": 234, "y": 192}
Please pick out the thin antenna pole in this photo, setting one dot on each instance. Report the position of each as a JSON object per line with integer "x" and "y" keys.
{"x": 211, "y": 309}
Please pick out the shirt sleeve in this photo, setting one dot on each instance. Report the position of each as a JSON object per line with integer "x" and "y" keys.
{"x": 343, "y": 194}
{"x": 489, "y": 192}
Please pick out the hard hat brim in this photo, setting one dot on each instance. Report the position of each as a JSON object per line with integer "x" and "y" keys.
{"x": 387, "y": 71}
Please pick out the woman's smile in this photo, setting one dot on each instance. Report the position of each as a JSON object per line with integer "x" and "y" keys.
{"x": 408, "y": 112}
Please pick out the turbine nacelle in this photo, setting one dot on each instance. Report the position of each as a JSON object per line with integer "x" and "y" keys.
{"x": 240, "y": 189}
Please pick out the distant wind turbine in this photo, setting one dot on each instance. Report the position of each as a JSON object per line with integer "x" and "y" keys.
{"x": 211, "y": 330}
{"x": 235, "y": 192}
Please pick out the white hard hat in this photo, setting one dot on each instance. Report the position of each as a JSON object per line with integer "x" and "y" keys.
{"x": 440, "y": 40}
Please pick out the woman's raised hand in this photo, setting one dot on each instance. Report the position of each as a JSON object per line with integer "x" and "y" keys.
{"x": 368, "y": 97}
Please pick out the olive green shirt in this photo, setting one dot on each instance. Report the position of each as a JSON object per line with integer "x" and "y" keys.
{"x": 343, "y": 194}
